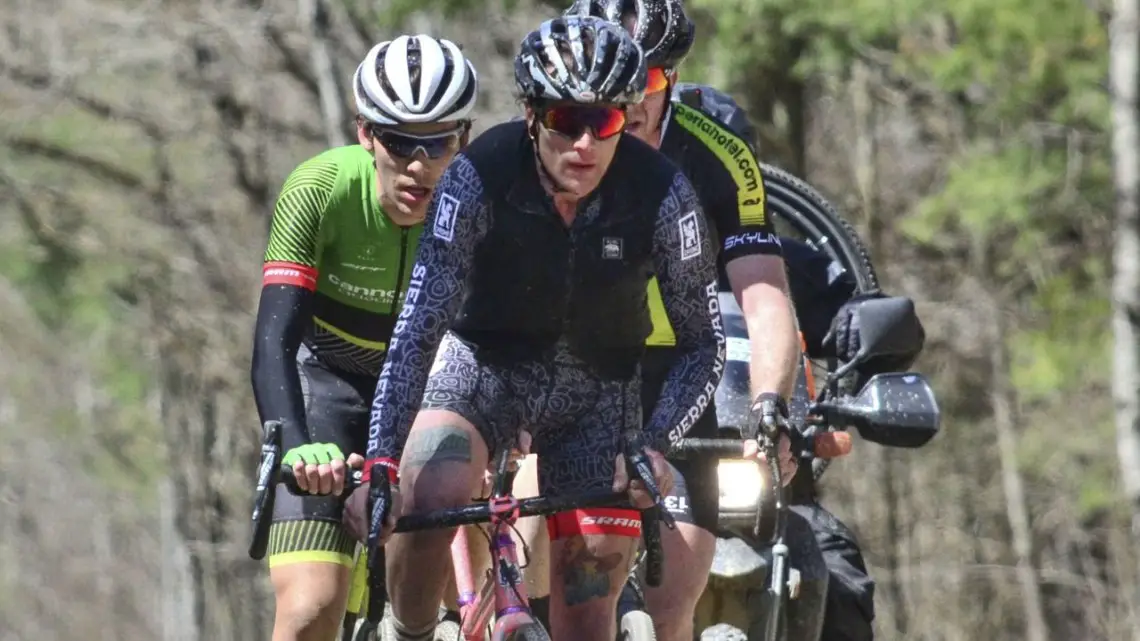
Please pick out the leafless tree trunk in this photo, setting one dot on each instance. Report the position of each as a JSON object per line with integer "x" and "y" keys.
{"x": 315, "y": 15}
{"x": 178, "y": 622}
{"x": 866, "y": 155}
{"x": 865, "y": 162}
{"x": 1125, "y": 76}
{"x": 1004, "y": 403}
{"x": 1125, "y": 68}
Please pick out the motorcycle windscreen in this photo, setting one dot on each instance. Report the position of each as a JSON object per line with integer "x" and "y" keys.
{"x": 733, "y": 397}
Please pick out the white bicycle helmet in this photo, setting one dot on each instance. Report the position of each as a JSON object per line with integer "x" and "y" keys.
{"x": 415, "y": 79}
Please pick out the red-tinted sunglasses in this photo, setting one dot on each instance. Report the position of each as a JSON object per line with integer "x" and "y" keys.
{"x": 573, "y": 120}
{"x": 658, "y": 80}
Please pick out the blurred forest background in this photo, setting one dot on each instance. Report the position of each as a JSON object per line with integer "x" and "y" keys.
{"x": 978, "y": 144}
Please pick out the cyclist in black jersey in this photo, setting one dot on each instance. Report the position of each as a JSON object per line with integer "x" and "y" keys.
{"x": 726, "y": 176}
{"x": 719, "y": 160}
{"x": 528, "y": 309}
{"x": 343, "y": 234}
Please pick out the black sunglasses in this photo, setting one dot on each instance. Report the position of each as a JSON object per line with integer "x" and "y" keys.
{"x": 405, "y": 145}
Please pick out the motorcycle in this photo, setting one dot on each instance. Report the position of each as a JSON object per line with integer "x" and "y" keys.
{"x": 768, "y": 580}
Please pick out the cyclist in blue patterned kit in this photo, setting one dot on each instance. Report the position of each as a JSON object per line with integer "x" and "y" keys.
{"x": 528, "y": 310}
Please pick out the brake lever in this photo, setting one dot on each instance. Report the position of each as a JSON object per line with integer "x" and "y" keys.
{"x": 770, "y": 413}
{"x": 270, "y": 453}
{"x": 640, "y": 468}
{"x": 380, "y": 504}
{"x": 264, "y": 496}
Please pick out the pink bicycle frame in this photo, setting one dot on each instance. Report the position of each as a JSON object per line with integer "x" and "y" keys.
{"x": 511, "y": 608}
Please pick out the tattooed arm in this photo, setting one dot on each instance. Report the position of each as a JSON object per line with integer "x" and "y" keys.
{"x": 686, "y": 272}
{"x": 457, "y": 221}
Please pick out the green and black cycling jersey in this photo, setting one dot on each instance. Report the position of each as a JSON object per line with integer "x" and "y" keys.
{"x": 334, "y": 277}
{"x": 726, "y": 176}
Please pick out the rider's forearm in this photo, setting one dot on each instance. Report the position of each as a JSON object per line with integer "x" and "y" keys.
{"x": 282, "y": 315}
{"x": 686, "y": 273}
{"x": 457, "y": 221}
{"x": 761, "y": 288}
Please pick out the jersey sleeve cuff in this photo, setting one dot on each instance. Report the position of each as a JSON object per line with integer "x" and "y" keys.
{"x": 283, "y": 273}
{"x": 391, "y": 465}
{"x": 751, "y": 243}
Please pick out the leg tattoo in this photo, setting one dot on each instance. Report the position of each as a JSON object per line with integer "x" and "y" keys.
{"x": 437, "y": 445}
{"x": 584, "y": 575}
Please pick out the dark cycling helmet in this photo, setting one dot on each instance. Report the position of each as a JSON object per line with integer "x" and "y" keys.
{"x": 580, "y": 59}
{"x": 661, "y": 29}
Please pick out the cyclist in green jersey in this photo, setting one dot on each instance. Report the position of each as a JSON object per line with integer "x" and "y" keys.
{"x": 344, "y": 236}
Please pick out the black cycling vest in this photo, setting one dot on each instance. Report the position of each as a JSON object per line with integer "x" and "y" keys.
{"x": 588, "y": 282}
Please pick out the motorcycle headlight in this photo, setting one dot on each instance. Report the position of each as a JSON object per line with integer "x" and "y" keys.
{"x": 741, "y": 484}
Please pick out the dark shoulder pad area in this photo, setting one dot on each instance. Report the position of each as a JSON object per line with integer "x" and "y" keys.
{"x": 496, "y": 153}
{"x": 639, "y": 162}
{"x": 641, "y": 173}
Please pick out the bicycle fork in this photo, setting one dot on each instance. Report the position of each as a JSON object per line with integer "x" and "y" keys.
{"x": 783, "y": 586}
{"x": 503, "y": 588}
{"x": 474, "y": 608}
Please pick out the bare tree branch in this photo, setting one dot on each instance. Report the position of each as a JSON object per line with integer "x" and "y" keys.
{"x": 94, "y": 106}
{"x": 360, "y": 22}
{"x": 101, "y": 169}
{"x": 292, "y": 61}
{"x": 315, "y": 15}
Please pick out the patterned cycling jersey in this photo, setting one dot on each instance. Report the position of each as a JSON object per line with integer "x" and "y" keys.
{"x": 503, "y": 272}
{"x": 331, "y": 236}
{"x": 726, "y": 176}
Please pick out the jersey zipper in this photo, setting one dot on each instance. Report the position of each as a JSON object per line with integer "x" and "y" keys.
{"x": 396, "y": 300}
{"x": 569, "y": 287}
{"x": 571, "y": 237}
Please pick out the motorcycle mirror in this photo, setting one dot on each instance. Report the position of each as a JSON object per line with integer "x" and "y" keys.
{"x": 895, "y": 410}
{"x": 887, "y": 326}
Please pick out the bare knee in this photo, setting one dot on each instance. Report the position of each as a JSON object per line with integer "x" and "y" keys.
{"x": 442, "y": 462}
{"x": 688, "y": 551}
{"x": 310, "y": 600}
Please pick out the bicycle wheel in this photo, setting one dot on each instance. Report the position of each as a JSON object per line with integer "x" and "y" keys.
{"x": 637, "y": 626}
{"x": 527, "y": 632}
{"x": 448, "y": 631}
{"x": 816, "y": 221}
{"x": 366, "y": 631}
{"x": 723, "y": 632}
{"x": 445, "y": 630}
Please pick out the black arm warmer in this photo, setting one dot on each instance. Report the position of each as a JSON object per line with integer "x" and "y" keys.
{"x": 282, "y": 315}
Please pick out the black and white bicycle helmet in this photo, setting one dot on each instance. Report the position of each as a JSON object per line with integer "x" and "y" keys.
{"x": 580, "y": 59}
{"x": 415, "y": 79}
{"x": 660, "y": 27}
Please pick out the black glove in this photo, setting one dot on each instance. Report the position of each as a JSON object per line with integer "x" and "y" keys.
{"x": 842, "y": 340}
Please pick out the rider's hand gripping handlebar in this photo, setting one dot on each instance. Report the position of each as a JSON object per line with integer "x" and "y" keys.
{"x": 640, "y": 468}
{"x": 379, "y": 507}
